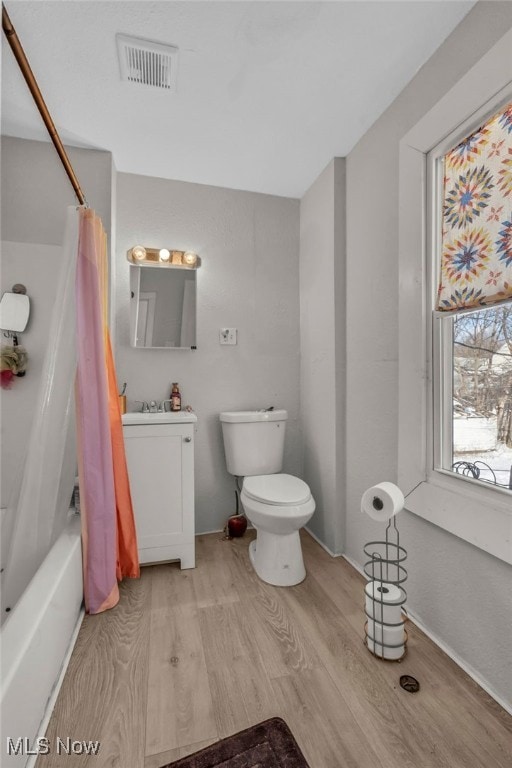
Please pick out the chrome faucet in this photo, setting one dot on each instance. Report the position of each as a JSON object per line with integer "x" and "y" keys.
{"x": 152, "y": 406}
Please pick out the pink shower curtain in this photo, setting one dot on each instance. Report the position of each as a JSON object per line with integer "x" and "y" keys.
{"x": 108, "y": 528}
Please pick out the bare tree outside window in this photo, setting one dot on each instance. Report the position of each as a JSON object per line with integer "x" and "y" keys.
{"x": 482, "y": 390}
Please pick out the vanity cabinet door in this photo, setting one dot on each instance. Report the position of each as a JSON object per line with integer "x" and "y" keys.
{"x": 160, "y": 461}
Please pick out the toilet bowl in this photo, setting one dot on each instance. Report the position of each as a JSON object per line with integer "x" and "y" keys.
{"x": 277, "y": 506}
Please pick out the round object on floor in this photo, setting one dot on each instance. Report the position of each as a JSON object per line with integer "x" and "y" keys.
{"x": 237, "y": 525}
{"x": 409, "y": 683}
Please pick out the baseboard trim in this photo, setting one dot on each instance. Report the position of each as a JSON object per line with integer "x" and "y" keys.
{"x": 507, "y": 706}
{"x": 324, "y": 546}
{"x": 473, "y": 674}
{"x": 207, "y": 533}
{"x": 355, "y": 565}
{"x": 222, "y": 530}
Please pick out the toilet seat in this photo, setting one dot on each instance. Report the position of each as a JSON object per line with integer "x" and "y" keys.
{"x": 278, "y": 490}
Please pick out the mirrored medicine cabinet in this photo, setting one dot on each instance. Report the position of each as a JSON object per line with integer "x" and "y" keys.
{"x": 163, "y": 289}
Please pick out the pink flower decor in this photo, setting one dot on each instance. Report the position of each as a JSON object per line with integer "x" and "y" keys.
{"x": 6, "y": 378}
{"x": 13, "y": 362}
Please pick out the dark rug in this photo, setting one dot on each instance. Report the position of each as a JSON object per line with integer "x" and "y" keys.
{"x": 267, "y": 745}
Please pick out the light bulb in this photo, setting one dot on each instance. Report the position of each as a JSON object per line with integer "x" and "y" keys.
{"x": 164, "y": 254}
{"x": 139, "y": 252}
{"x": 190, "y": 258}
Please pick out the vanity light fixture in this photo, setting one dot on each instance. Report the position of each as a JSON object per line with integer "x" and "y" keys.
{"x": 163, "y": 257}
{"x": 190, "y": 258}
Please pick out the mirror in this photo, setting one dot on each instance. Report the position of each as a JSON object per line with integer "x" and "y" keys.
{"x": 163, "y": 307}
{"x": 14, "y": 312}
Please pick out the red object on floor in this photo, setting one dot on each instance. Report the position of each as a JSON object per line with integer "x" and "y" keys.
{"x": 6, "y": 377}
{"x": 237, "y": 525}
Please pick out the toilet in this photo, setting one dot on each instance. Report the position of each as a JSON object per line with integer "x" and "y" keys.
{"x": 277, "y": 505}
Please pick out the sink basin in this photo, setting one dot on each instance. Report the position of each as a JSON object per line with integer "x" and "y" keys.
{"x": 178, "y": 417}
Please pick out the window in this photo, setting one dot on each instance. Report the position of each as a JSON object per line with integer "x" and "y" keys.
{"x": 477, "y": 512}
{"x": 471, "y": 251}
{"x": 474, "y": 420}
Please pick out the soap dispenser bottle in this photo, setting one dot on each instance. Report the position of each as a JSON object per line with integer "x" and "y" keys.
{"x": 175, "y": 397}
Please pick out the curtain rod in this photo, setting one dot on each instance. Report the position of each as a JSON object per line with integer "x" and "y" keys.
{"x": 19, "y": 55}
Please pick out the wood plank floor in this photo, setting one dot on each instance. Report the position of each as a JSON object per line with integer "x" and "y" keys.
{"x": 189, "y": 657}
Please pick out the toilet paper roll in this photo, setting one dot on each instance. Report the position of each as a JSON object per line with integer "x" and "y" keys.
{"x": 384, "y": 592}
{"x": 383, "y": 602}
{"x": 387, "y": 636}
{"x": 381, "y": 502}
{"x": 385, "y": 652}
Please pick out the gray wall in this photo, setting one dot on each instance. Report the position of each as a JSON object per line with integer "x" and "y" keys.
{"x": 36, "y": 190}
{"x": 249, "y": 279}
{"x": 35, "y": 194}
{"x": 36, "y": 267}
{"x": 322, "y": 336}
{"x": 460, "y": 593}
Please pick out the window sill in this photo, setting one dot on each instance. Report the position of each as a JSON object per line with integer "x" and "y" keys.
{"x": 480, "y": 516}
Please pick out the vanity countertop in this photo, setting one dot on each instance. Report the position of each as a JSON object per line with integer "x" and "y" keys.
{"x": 170, "y": 417}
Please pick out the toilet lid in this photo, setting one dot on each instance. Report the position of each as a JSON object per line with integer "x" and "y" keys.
{"x": 280, "y": 490}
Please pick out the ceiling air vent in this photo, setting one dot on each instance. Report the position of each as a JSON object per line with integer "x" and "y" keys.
{"x": 147, "y": 63}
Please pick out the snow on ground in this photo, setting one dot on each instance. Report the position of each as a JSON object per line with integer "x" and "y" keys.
{"x": 500, "y": 460}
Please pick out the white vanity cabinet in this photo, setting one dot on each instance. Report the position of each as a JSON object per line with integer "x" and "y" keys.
{"x": 160, "y": 457}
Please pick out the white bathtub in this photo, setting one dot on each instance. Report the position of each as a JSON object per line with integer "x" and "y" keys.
{"x": 35, "y": 641}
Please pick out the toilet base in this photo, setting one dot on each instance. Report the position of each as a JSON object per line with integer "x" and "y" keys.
{"x": 277, "y": 558}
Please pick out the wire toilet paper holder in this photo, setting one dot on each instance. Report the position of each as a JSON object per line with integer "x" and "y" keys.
{"x": 385, "y": 566}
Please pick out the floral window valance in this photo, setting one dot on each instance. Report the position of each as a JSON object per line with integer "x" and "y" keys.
{"x": 476, "y": 256}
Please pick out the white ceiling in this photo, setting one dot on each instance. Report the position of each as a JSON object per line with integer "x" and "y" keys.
{"x": 268, "y": 92}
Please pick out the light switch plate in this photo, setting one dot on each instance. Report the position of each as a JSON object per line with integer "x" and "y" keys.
{"x": 228, "y": 335}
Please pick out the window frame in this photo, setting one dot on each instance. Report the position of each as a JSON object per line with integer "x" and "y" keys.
{"x": 440, "y": 339}
{"x": 450, "y": 501}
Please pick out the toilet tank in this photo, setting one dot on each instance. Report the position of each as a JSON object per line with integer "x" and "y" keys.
{"x": 253, "y": 441}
